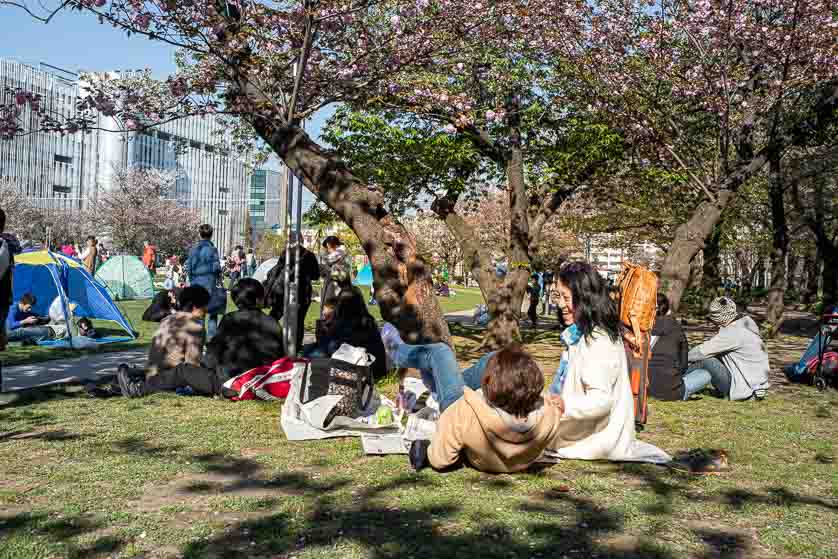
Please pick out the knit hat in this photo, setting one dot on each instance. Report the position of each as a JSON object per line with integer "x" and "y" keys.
{"x": 722, "y": 311}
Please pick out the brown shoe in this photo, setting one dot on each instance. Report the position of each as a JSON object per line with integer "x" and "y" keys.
{"x": 701, "y": 461}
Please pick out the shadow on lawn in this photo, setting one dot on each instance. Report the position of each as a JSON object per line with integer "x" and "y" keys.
{"x": 17, "y": 533}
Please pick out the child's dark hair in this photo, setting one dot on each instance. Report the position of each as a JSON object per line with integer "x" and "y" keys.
{"x": 193, "y": 297}
{"x": 85, "y": 322}
{"x": 248, "y": 294}
{"x": 28, "y": 299}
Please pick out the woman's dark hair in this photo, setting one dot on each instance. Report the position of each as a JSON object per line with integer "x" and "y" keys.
{"x": 205, "y": 231}
{"x": 350, "y": 305}
{"x": 663, "y": 304}
{"x": 513, "y": 381}
{"x": 193, "y": 297}
{"x": 332, "y": 240}
{"x": 248, "y": 294}
{"x": 592, "y": 307}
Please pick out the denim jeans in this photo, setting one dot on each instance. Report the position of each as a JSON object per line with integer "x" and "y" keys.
{"x": 212, "y": 326}
{"x": 793, "y": 372}
{"x": 709, "y": 371}
{"x": 29, "y": 333}
{"x": 440, "y": 371}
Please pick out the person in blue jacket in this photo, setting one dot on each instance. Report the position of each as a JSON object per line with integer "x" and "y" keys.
{"x": 23, "y": 325}
{"x": 203, "y": 267}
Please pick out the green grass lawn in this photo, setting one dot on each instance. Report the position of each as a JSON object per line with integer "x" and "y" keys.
{"x": 169, "y": 476}
{"x": 133, "y": 310}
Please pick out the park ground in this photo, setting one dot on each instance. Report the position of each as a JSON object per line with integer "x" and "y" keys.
{"x": 170, "y": 476}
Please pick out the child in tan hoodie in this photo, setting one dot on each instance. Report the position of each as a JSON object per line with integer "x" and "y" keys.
{"x": 493, "y": 413}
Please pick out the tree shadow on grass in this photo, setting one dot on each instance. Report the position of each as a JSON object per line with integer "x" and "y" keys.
{"x": 25, "y": 527}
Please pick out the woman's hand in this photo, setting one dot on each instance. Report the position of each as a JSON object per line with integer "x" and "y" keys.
{"x": 556, "y": 401}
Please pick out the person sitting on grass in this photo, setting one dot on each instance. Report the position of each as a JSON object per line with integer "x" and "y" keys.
{"x": 734, "y": 361}
{"x": 592, "y": 384}
{"x": 347, "y": 321}
{"x": 668, "y": 359}
{"x": 25, "y": 326}
{"x": 246, "y": 338}
{"x": 493, "y": 413}
{"x": 59, "y": 321}
{"x": 163, "y": 305}
{"x": 174, "y": 359}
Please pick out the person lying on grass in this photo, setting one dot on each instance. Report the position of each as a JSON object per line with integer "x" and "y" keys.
{"x": 734, "y": 361}
{"x": 174, "y": 359}
{"x": 493, "y": 413}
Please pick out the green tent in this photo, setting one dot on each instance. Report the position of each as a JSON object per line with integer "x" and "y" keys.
{"x": 125, "y": 277}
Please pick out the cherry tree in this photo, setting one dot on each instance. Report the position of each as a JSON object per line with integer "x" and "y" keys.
{"x": 714, "y": 88}
{"x": 476, "y": 70}
{"x": 139, "y": 208}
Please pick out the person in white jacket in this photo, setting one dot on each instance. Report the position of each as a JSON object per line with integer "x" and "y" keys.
{"x": 592, "y": 384}
{"x": 734, "y": 361}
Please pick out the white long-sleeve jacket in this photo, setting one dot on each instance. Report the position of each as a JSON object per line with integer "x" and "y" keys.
{"x": 598, "y": 423}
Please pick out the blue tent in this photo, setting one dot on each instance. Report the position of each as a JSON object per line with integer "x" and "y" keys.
{"x": 48, "y": 275}
{"x": 364, "y": 277}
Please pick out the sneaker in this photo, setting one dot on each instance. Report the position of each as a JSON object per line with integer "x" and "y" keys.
{"x": 128, "y": 384}
{"x": 391, "y": 338}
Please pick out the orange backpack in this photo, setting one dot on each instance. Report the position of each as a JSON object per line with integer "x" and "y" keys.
{"x": 638, "y": 305}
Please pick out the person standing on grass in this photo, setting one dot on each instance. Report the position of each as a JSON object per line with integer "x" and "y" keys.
{"x": 275, "y": 284}
{"x": 534, "y": 291}
{"x": 335, "y": 269}
{"x": 250, "y": 263}
{"x": 90, "y": 256}
{"x": 9, "y": 246}
{"x": 150, "y": 256}
{"x": 174, "y": 358}
{"x": 734, "y": 361}
{"x": 203, "y": 267}
{"x": 236, "y": 260}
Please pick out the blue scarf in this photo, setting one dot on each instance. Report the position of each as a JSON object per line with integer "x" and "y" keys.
{"x": 570, "y": 336}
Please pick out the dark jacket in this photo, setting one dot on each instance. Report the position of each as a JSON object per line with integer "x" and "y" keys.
{"x": 159, "y": 308}
{"x": 203, "y": 266}
{"x": 245, "y": 339}
{"x": 360, "y": 332}
{"x": 669, "y": 360}
{"x": 275, "y": 286}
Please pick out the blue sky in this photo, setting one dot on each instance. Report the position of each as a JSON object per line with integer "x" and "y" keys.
{"x": 75, "y": 41}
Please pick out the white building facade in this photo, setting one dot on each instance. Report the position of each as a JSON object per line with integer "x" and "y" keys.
{"x": 53, "y": 170}
{"x": 70, "y": 170}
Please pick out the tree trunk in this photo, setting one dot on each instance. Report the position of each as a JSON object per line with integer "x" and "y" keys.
{"x": 696, "y": 272}
{"x": 829, "y": 275}
{"x": 711, "y": 277}
{"x": 811, "y": 267}
{"x": 403, "y": 287}
{"x": 504, "y": 325}
{"x": 747, "y": 272}
{"x": 793, "y": 280}
{"x": 689, "y": 239}
{"x": 779, "y": 248}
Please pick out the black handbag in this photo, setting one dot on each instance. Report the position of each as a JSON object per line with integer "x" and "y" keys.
{"x": 325, "y": 376}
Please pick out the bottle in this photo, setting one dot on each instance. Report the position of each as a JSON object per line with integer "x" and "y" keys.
{"x": 401, "y": 400}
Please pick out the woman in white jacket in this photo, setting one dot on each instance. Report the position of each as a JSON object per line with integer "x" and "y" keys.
{"x": 592, "y": 384}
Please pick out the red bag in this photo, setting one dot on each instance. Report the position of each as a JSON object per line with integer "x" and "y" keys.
{"x": 270, "y": 382}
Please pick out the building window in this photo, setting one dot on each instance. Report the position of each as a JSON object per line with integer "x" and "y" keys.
{"x": 57, "y": 189}
{"x": 63, "y": 158}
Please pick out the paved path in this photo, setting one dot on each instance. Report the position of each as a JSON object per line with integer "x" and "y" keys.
{"x": 63, "y": 371}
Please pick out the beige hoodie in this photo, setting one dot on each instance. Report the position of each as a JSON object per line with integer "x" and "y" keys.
{"x": 491, "y": 439}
